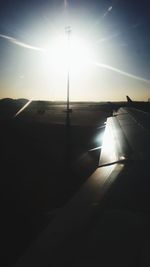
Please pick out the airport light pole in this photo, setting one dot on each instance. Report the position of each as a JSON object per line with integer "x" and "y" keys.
{"x": 68, "y": 32}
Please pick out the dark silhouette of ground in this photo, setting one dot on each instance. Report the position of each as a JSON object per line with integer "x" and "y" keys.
{"x": 37, "y": 175}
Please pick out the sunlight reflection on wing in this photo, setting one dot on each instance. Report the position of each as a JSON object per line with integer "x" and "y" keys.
{"x": 109, "y": 151}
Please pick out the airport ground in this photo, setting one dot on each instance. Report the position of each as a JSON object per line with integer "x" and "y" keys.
{"x": 43, "y": 165}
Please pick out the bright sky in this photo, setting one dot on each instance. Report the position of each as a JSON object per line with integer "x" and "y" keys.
{"x": 107, "y": 54}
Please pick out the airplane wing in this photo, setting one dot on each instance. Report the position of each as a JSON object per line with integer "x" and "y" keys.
{"x": 107, "y": 221}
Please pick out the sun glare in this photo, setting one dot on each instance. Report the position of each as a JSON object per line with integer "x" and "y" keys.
{"x": 109, "y": 152}
{"x": 73, "y": 54}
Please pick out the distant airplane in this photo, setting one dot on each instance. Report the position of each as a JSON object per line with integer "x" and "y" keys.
{"x": 129, "y": 99}
{"x": 104, "y": 222}
{"x": 142, "y": 105}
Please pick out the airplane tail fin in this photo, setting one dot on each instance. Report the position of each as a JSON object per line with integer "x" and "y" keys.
{"x": 129, "y": 100}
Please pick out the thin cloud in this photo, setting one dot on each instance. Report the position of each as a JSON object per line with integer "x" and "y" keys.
{"x": 65, "y": 3}
{"x": 104, "y": 66}
{"x": 19, "y": 43}
{"x": 115, "y": 35}
{"x": 137, "y": 25}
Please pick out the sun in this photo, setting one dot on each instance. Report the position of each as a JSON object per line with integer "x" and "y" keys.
{"x": 73, "y": 54}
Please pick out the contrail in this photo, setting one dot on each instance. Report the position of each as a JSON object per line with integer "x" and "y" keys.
{"x": 104, "y": 66}
{"x": 19, "y": 43}
{"x": 108, "y": 10}
{"x": 104, "y": 39}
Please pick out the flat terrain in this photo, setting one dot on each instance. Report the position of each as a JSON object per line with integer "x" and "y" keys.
{"x": 43, "y": 164}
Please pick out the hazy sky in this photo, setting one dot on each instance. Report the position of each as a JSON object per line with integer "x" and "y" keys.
{"x": 108, "y": 54}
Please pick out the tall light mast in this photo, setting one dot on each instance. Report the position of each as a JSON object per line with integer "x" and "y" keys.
{"x": 68, "y": 32}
